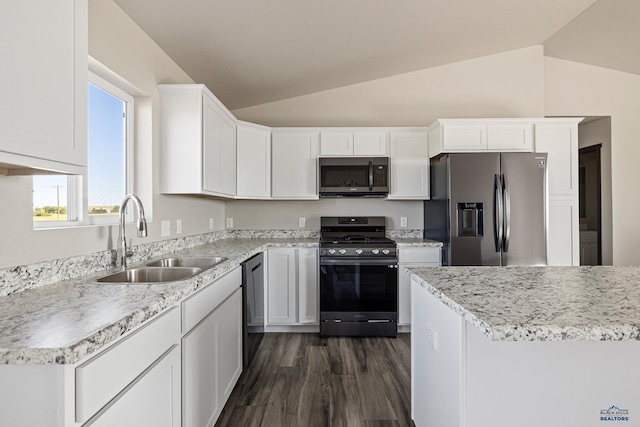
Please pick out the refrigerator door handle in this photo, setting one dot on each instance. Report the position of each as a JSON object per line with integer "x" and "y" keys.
{"x": 507, "y": 214}
{"x": 497, "y": 212}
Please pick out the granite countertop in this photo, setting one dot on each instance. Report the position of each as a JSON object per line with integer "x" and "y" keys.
{"x": 541, "y": 303}
{"x": 416, "y": 242}
{"x": 64, "y": 322}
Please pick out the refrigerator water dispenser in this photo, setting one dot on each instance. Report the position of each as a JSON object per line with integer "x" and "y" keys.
{"x": 470, "y": 219}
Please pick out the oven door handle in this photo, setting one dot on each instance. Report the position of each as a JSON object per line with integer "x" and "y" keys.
{"x": 393, "y": 263}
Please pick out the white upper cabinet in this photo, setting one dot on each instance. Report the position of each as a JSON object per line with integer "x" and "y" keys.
{"x": 353, "y": 143}
{"x": 560, "y": 141}
{"x": 294, "y": 165}
{"x": 253, "y": 161}
{"x": 197, "y": 142}
{"x": 43, "y": 80}
{"x": 558, "y": 137}
{"x": 409, "y": 165}
{"x": 473, "y": 135}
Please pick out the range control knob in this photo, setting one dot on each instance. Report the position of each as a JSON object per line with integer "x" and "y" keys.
{"x": 375, "y": 251}
{"x": 332, "y": 251}
{"x": 343, "y": 251}
{"x": 385, "y": 251}
{"x": 358, "y": 251}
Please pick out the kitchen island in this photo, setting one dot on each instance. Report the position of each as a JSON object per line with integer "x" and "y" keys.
{"x": 525, "y": 346}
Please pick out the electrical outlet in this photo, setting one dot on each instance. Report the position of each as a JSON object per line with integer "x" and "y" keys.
{"x": 210, "y": 223}
{"x": 229, "y": 222}
{"x": 301, "y": 222}
{"x": 403, "y": 221}
{"x": 178, "y": 226}
{"x": 166, "y": 228}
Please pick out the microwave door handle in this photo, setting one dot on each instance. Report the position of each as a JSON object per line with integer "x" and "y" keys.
{"x": 370, "y": 176}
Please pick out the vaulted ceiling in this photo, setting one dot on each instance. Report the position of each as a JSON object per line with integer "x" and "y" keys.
{"x": 250, "y": 52}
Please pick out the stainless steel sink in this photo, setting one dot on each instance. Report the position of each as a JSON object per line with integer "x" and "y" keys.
{"x": 151, "y": 274}
{"x": 203, "y": 263}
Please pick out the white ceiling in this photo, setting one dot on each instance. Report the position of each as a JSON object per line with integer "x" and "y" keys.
{"x": 250, "y": 52}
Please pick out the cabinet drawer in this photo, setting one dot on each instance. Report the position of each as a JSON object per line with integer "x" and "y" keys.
{"x": 103, "y": 377}
{"x": 419, "y": 255}
{"x": 198, "y": 306}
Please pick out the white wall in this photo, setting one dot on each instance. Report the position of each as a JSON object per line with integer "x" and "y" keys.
{"x": 509, "y": 84}
{"x": 583, "y": 90}
{"x": 117, "y": 43}
{"x": 593, "y": 133}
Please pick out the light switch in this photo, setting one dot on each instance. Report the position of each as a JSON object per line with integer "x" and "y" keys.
{"x": 178, "y": 226}
{"x": 210, "y": 223}
{"x": 403, "y": 221}
{"x": 229, "y": 222}
{"x": 301, "y": 222}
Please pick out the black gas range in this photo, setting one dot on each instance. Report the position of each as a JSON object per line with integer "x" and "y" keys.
{"x": 358, "y": 277}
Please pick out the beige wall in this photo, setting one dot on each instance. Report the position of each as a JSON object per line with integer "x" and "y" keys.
{"x": 577, "y": 89}
{"x": 509, "y": 84}
{"x": 283, "y": 215}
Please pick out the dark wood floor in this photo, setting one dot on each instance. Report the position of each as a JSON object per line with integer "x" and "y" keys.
{"x": 302, "y": 380}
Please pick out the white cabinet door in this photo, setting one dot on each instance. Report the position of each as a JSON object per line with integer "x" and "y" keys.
{"x": 211, "y": 146}
{"x": 510, "y": 137}
{"x": 353, "y": 143}
{"x": 227, "y": 159}
{"x": 43, "y": 81}
{"x": 153, "y": 400}
{"x": 281, "y": 286}
{"x": 336, "y": 143}
{"x": 197, "y": 142}
{"x": 412, "y": 257}
{"x": 308, "y": 309}
{"x": 292, "y": 286}
{"x": 294, "y": 165}
{"x": 464, "y": 137}
{"x": 563, "y": 235}
{"x": 370, "y": 143}
{"x": 560, "y": 141}
{"x": 212, "y": 362}
{"x": 409, "y": 166}
{"x": 253, "y": 161}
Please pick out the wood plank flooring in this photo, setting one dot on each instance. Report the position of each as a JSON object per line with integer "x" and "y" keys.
{"x": 302, "y": 380}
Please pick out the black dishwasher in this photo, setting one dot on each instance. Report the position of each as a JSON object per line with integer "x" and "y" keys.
{"x": 253, "y": 306}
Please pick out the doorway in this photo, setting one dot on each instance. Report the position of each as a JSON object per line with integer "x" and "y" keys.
{"x": 590, "y": 205}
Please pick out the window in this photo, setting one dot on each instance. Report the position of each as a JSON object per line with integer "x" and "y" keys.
{"x": 95, "y": 198}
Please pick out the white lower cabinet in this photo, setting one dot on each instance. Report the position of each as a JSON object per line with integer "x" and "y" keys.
{"x": 120, "y": 386}
{"x": 211, "y": 349}
{"x": 412, "y": 257}
{"x": 153, "y": 400}
{"x": 292, "y": 286}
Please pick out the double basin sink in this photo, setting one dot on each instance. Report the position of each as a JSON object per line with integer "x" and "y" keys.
{"x": 164, "y": 270}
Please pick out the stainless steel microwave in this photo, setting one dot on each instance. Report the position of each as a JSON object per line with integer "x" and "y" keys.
{"x": 353, "y": 176}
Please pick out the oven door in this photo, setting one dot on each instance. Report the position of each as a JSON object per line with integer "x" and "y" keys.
{"x": 357, "y": 290}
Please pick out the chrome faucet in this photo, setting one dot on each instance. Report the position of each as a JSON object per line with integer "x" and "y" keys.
{"x": 141, "y": 228}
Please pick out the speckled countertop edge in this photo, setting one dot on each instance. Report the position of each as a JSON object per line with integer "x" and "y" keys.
{"x": 541, "y": 303}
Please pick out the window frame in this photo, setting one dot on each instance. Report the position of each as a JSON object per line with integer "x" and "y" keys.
{"x": 77, "y": 188}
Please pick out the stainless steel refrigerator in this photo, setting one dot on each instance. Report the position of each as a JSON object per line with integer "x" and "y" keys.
{"x": 489, "y": 208}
